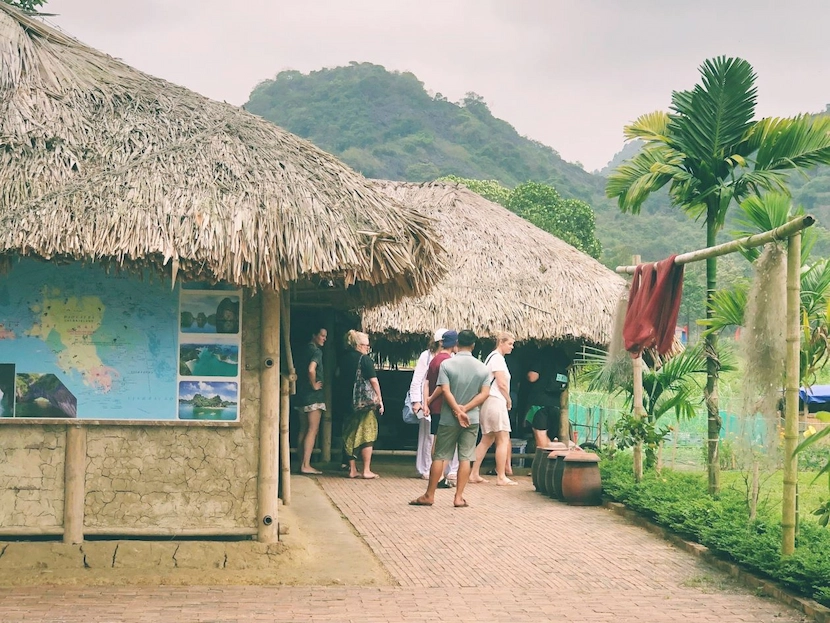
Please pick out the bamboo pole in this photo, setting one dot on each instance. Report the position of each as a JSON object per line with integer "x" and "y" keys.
{"x": 288, "y": 386}
{"x": 74, "y": 470}
{"x": 788, "y": 514}
{"x": 269, "y": 411}
{"x": 639, "y": 412}
{"x": 756, "y": 240}
{"x": 329, "y": 363}
{"x": 564, "y": 418}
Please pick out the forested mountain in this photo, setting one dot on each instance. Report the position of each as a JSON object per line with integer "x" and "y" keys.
{"x": 386, "y": 125}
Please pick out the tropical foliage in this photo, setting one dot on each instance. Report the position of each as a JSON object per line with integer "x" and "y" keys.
{"x": 570, "y": 220}
{"x": 29, "y": 6}
{"x": 670, "y": 387}
{"x": 710, "y": 153}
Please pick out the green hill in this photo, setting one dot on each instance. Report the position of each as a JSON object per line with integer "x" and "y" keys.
{"x": 386, "y": 125}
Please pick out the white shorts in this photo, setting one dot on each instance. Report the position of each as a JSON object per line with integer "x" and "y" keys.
{"x": 493, "y": 417}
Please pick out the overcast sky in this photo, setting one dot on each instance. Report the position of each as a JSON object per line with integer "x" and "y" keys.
{"x": 568, "y": 73}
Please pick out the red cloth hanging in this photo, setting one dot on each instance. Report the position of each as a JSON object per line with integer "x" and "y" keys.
{"x": 653, "y": 305}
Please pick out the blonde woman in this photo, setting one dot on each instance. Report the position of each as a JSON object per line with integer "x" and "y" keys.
{"x": 360, "y": 427}
{"x": 495, "y": 421}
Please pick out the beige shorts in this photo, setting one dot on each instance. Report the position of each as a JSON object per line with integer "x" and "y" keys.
{"x": 494, "y": 417}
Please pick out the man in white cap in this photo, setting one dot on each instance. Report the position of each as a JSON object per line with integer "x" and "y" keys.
{"x": 423, "y": 457}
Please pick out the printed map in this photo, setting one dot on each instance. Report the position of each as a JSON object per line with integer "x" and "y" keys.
{"x": 111, "y": 339}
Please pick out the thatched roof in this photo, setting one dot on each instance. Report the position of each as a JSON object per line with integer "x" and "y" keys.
{"x": 505, "y": 274}
{"x": 102, "y": 162}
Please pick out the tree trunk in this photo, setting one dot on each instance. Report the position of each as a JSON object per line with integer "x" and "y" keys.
{"x": 712, "y": 364}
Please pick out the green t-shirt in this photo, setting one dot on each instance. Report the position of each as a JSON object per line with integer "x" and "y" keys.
{"x": 465, "y": 376}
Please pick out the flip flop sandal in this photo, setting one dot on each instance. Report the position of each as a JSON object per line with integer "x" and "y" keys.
{"x": 419, "y": 503}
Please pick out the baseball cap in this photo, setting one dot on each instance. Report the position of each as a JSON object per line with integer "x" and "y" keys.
{"x": 450, "y": 339}
{"x": 439, "y": 334}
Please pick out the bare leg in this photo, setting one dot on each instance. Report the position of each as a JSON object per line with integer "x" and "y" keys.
{"x": 541, "y": 437}
{"x": 463, "y": 476}
{"x": 502, "y": 445}
{"x": 366, "y": 455}
{"x": 353, "y": 473}
{"x": 508, "y": 461}
{"x": 481, "y": 451}
{"x": 312, "y": 422}
{"x": 301, "y": 436}
{"x": 436, "y": 470}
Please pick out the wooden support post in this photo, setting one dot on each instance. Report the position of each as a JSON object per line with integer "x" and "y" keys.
{"x": 329, "y": 364}
{"x": 288, "y": 386}
{"x": 269, "y": 412}
{"x": 74, "y": 492}
{"x": 792, "y": 381}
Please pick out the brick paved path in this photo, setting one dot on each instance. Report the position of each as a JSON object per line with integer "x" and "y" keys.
{"x": 511, "y": 556}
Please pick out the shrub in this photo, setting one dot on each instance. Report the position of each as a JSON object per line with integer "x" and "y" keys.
{"x": 680, "y": 501}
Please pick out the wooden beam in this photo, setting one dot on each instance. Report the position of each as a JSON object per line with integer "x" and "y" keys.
{"x": 172, "y": 532}
{"x": 74, "y": 490}
{"x": 31, "y": 531}
{"x": 269, "y": 411}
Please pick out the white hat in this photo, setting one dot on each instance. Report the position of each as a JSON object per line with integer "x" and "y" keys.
{"x": 439, "y": 334}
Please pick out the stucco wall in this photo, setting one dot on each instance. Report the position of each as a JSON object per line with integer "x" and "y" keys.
{"x": 144, "y": 476}
{"x": 31, "y": 476}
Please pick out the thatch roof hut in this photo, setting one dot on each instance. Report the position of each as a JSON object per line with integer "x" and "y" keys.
{"x": 504, "y": 274}
{"x": 103, "y": 162}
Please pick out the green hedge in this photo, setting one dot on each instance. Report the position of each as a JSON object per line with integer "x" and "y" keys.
{"x": 680, "y": 501}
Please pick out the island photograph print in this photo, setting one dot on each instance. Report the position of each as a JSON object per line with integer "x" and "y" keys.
{"x": 208, "y": 400}
{"x": 209, "y": 359}
{"x": 209, "y": 312}
{"x": 6, "y": 390}
{"x": 43, "y": 395}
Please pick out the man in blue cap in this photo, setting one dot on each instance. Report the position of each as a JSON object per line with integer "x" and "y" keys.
{"x": 435, "y": 400}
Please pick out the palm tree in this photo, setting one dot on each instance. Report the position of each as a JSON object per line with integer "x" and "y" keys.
{"x": 711, "y": 153}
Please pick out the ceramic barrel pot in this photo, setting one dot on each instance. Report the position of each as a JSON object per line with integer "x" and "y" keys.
{"x": 538, "y": 458}
{"x": 581, "y": 483}
{"x": 545, "y": 465}
{"x": 550, "y": 475}
{"x": 557, "y": 468}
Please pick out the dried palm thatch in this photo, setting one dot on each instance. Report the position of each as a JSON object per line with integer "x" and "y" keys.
{"x": 99, "y": 161}
{"x": 504, "y": 274}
